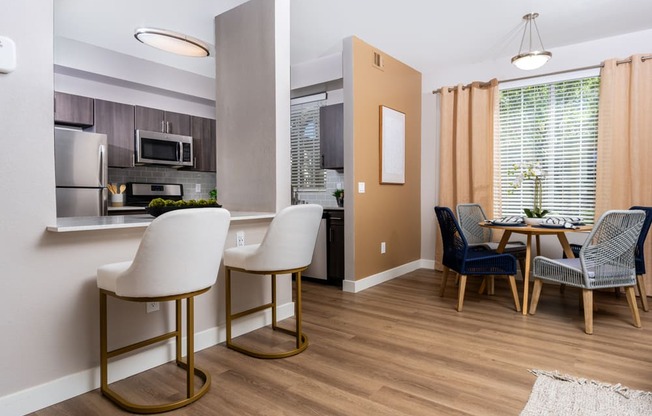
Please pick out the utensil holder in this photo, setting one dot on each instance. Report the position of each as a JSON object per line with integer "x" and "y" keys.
{"x": 117, "y": 200}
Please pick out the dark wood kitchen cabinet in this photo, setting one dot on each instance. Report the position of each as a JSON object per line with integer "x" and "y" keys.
{"x": 203, "y": 143}
{"x": 116, "y": 120}
{"x": 335, "y": 246}
{"x": 331, "y": 136}
{"x": 153, "y": 119}
{"x": 73, "y": 110}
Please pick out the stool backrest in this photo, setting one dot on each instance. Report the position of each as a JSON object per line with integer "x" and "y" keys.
{"x": 180, "y": 253}
{"x": 290, "y": 239}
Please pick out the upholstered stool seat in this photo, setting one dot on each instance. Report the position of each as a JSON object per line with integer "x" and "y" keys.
{"x": 178, "y": 258}
{"x": 286, "y": 248}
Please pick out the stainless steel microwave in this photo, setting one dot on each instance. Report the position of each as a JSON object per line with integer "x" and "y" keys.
{"x": 157, "y": 148}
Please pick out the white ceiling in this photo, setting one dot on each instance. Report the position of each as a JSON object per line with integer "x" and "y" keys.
{"x": 422, "y": 33}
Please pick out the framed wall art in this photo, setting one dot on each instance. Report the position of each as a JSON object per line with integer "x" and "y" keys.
{"x": 392, "y": 146}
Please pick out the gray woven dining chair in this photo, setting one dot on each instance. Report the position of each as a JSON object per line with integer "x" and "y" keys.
{"x": 606, "y": 260}
{"x": 469, "y": 216}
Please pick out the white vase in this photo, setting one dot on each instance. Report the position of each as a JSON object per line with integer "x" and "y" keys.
{"x": 533, "y": 221}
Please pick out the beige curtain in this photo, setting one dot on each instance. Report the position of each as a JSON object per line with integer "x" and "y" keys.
{"x": 466, "y": 148}
{"x": 624, "y": 165}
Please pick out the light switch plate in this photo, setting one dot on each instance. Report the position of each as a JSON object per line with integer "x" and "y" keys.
{"x": 7, "y": 55}
{"x": 361, "y": 187}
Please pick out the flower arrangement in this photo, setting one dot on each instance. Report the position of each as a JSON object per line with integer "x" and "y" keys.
{"x": 530, "y": 171}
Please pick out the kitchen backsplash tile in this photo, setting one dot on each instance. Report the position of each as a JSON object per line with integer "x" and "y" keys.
{"x": 325, "y": 198}
{"x": 153, "y": 174}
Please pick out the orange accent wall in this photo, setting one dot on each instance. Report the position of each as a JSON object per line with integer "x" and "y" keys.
{"x": 385, "y": 212}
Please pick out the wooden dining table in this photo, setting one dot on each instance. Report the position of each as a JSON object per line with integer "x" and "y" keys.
{"x": 537, "y": 231}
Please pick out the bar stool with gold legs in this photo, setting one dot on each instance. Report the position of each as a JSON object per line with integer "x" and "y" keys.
{"x": 178, "y": 258}
{"x": 286, "y": 248}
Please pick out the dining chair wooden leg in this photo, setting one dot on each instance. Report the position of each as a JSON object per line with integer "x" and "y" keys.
{"x": 521, "y": 264}
{"x": 536, "y": 292}
{"x": 587, "y": 297}
{"x": 483, "y": 286}
{"x": 633, "y": 306}
{"x": 491, "y": 287}
{"x": 460, "y": 293}
{"x": 512, "y": 285}
{"x": 640, "y": 282}
{"x": 443, "y": 281}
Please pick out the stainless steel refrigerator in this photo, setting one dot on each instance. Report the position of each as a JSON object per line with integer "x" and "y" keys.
{"x": 80, "y": 172}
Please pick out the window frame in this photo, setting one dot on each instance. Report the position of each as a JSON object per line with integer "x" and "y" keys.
{"x": 508, "y": 205}
{"x": 309, "y": 166}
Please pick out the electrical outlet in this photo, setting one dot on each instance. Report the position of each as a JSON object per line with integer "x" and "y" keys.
{"x": 239, "y": 239}
{"x": 383, "y": 248}
{"x": 152, "y": 307}
{"x": 198, "y": 187}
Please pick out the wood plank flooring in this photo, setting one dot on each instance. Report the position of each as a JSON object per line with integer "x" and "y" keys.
{"x": 400, "y": 349}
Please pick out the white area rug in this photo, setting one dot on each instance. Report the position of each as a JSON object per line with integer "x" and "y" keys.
{"x": 558, "y": 394}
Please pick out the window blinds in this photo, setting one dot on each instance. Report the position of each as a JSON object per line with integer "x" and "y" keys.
{"x": 555, "y": 124}
{"x": 305, "y": 154}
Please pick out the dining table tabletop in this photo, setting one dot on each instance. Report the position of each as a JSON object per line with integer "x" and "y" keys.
{"x": 536, "y": 231}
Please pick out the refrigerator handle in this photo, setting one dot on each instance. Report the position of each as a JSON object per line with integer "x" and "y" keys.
{"x": 102, "y": 165}
{"x": 179, "y": 151}
{"x": 104, "y": 202}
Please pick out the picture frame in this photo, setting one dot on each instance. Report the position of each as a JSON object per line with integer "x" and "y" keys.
{"x": 392, "y": 146}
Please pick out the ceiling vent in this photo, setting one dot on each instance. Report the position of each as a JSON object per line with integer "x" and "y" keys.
{"x": 378, "y": 60}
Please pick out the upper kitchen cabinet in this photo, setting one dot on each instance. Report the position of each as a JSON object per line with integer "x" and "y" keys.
{"x": 203, "y": 142}
{"x": 152, "y": 119}
{"x": 331, "y": 136}
{"x": 116, "y": 120}
{"x": 73, "y": 110}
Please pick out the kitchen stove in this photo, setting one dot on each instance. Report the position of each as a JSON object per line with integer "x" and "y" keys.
{"x": 141, "y": 194}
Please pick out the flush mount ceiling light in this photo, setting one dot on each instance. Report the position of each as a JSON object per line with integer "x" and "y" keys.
{"x": 533, "y": 58}
{"x": 172, "y": 42}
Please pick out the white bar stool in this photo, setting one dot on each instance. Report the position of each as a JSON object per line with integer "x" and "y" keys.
{"x": 286, "y": 248}
{"x": 178, "y": 258}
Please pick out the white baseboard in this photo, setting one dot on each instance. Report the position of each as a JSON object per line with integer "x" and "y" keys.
{"x": 64, "y": 388}
{"x": 355, "y": 286}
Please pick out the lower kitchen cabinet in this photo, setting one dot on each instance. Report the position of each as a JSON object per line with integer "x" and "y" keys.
{"x": 335, "y": 246}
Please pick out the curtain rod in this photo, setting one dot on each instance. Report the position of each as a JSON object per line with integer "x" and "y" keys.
{"x": 486, "y": 84}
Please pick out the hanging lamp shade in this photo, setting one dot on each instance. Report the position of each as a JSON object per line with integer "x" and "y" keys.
{"x": 532, "y": 58}
{"x": 173, "y": 42}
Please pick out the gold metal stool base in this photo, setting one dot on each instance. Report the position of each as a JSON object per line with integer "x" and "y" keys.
{"x": 303, "y": 344}
{"x": 188, "y": 364}
{"x": 160, "y": 408}
{"x": 301, "y": 338}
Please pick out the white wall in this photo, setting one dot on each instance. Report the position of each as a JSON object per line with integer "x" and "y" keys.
{"x": 564, "y": 58}
{"x": 49, "y": 309}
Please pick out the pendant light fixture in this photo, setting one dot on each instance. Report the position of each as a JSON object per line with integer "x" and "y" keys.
{"x": 170, "y": 41}
{"x": 533, "y": 58}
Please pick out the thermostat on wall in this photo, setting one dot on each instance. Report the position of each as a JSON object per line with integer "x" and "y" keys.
{"x": 7, "y": 55}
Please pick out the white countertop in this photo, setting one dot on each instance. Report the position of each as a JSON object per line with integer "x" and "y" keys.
{"x": 128, "y": 208}
{"x": 113, "y": 222}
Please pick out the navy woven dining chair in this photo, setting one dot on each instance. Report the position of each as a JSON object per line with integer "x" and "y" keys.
{"x": 639, "y": 256}
{"x": 465, "y": 262}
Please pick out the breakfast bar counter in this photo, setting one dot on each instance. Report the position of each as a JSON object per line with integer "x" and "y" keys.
{"x": 72, "y": 224}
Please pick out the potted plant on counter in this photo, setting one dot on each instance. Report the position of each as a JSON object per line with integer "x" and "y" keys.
{"x": 339, "y": 197}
